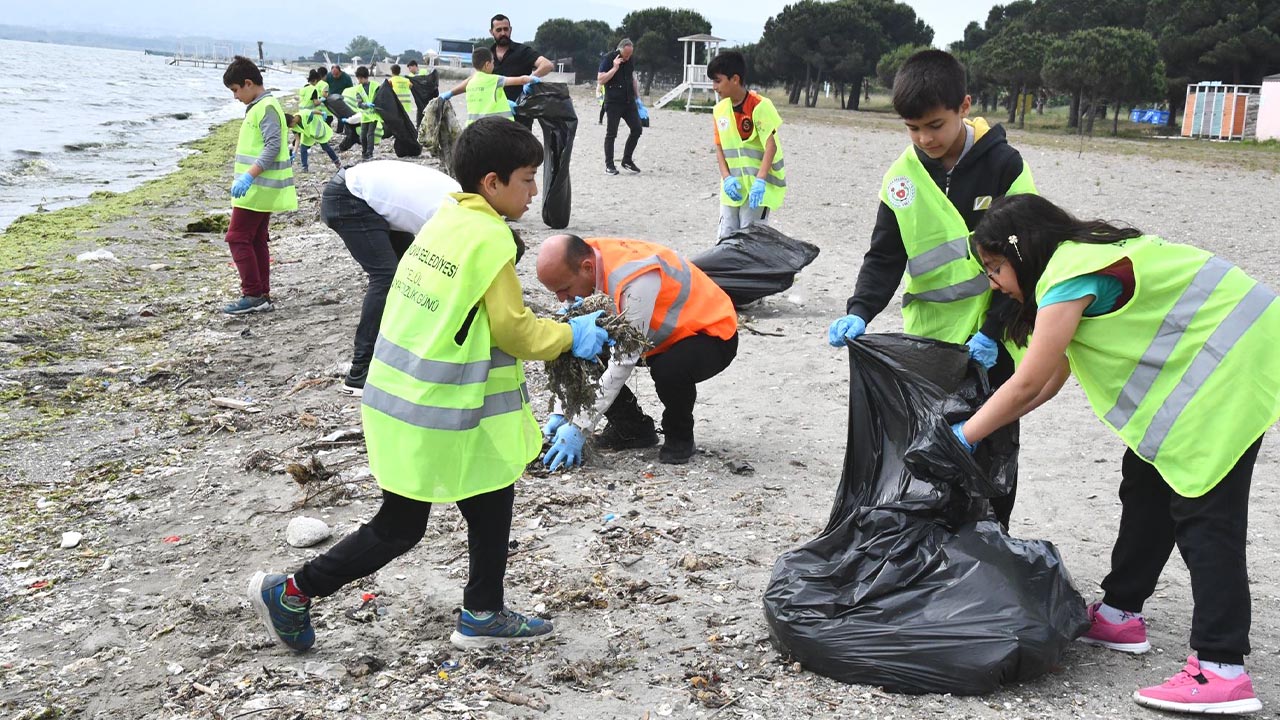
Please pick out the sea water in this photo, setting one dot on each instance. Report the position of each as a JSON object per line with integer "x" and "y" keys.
{"x": 81, "y": 119}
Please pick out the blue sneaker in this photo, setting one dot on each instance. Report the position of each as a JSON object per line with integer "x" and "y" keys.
{"x": 287, "y": 619}
{"x": 248, "y": 304}
{"x": 500, "y": 628}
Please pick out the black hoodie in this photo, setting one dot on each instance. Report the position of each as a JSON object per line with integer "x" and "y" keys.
{"x": 987, "y": 170}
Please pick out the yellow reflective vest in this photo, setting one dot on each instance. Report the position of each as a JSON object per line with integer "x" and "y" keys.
{"x": 947, "y": 293}
{"x": 1187, "y": 372}
{"x": 272, "y": 190}
{"x": 744, "y": 156}
{"x": 486, "y": 98}
{"x": 312, "y": 128}
{"x": 446, "y": 413}
{"x": 403, "y": 93}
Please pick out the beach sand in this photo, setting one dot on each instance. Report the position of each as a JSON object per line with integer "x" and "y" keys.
{"x": 111, "y": 368}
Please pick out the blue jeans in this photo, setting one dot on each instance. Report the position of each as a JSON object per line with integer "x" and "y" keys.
{"x": 374, "y": 245}
{"x": 332, "y": 155}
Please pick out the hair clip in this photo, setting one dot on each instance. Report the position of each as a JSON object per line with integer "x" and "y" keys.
{"x": 1013, "y": 241}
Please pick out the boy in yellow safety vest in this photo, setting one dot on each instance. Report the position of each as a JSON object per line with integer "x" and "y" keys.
{"x": 402, "y": 87}
{"x": 485, "y": 97}
{"x": 753, "y": 175}
{"x": 931, "y": 198}
{"x": 446, "y": 413}
{"x": 311, "y": 129}
{"x": 263, "y": 185}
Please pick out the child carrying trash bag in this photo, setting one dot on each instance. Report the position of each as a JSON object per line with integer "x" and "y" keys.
{"x": 1176, "y": 350}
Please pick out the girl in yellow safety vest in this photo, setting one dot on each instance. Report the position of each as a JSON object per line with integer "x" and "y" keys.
{"x": 1175, "y": 350}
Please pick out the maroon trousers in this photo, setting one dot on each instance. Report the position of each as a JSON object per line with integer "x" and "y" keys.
{"x": 247, "y": 236}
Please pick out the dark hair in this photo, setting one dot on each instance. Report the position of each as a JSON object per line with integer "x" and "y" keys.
{"x": 493, "y": 145}
{"x": 928, "y": 80}
{"x": 413, "y": 63}
{"x": 395, "y": 69}
{"x": 575, "y": 251}
{"x": 1040, "y": 227}
{"x": 727, "y": 64}
{"x": 240, "y": 71}
{"x": 362, "y": 72}
{"x": 480, "y": 57}
{"x": 322, "y": 71}
{"x": 289, "y": 118}
{"x": 311, "y": 75}
{"x": 496, "y": 18}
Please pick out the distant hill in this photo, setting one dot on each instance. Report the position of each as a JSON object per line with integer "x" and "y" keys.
{"x": 193, "y": 45}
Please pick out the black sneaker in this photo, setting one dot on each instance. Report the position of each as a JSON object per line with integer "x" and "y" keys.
{"x": 628, "y": 165}
{"x": 628, "y": 435}
{"x": 610, "y": 170}
{"x": 354, "y": 382}
{"x": 676, "y": 452}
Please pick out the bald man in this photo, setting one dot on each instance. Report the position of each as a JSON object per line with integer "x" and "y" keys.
{"x": 687, "y": 317}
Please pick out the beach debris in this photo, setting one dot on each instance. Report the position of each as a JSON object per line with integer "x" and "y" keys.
{"x": 216, "y": 223}
{"x": 440, "y": 130}
{"x": 740, "y": 467}
{"x": 511, "y": 697}
{"x": 233, "y": 404}
{"x": 70, "y": 540}
{"x": 574, "y": 381}
{"x": 307, "y": 531}
{"x": 310, "y": 470}
{"x": 98, "y": 255}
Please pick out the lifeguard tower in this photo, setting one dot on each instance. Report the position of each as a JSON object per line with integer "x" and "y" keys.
{"x": 696, "y": 48}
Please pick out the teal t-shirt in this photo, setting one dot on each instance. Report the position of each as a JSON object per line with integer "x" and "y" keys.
{"x": 1105, "y": 290}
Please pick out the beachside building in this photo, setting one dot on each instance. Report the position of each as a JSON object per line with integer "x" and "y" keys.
{"x": 450, "y": 53}
{"x": 1269, "y": 109}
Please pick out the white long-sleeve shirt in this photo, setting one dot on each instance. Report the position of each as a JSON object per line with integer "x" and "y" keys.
{"x": 405, "y": 194}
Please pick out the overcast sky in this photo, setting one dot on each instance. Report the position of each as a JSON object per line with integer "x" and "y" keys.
{"x": 329, "y": 24}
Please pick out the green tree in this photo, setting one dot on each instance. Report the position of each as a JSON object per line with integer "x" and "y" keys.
{"x": 366, "y": 49}
{"x": 320, "y": 55}
{"x": 1121, "y": 65}
{"x": 892, "y": 61}
{"x": 1014, "y": 59}
{"x": 582, "y": 41}
{"x": 410, "y": 54}
{"x": 662, "y": 53}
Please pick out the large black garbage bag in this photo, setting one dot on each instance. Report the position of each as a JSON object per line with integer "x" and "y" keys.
{"x": 396, "y": 123}
{"x": 551, "y": 106}
{"x": 913, "y": 586}
{"x": 341, "y": 111}
{"x": 425, "y": 88}
{"x": 754, "y": 262}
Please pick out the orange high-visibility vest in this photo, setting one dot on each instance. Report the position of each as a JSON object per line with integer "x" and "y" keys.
{"x": 690, "y": 303}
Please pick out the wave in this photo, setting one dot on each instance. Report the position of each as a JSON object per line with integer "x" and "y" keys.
{"x": 28, "y": 153}
{"x": 82, "y": 146}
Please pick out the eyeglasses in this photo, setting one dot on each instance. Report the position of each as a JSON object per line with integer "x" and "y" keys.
{"x": 991, "y": 274}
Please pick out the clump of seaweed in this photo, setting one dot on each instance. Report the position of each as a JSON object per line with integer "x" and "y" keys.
{"x": 574, "y": 381}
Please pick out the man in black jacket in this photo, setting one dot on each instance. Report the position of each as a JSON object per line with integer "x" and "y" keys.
{"x": 513, "y": 59}
{"x": 621, "y": 90}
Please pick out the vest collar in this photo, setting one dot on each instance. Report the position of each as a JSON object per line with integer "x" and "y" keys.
{"x": 476, "y": 202}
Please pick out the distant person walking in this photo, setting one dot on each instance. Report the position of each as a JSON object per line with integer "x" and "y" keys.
{"x": 513, "y": 59}
{"x": 621, "y": 98}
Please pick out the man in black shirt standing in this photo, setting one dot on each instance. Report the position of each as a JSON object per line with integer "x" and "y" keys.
{"x": 621, "y": 90}
{"x": 513, "y": 59}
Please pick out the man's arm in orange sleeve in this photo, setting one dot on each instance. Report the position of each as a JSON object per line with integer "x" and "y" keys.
{"x": 515, "y": 329}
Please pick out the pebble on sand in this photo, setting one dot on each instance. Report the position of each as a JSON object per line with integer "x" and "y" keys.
{"x": 305, "y": 532}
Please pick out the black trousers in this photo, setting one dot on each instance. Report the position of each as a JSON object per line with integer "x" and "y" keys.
{"x": 998, "y": 375}
{"x": 399, "y": 525}
{"x": 368, "y": 134}
{"x": 631, "y": 114}
{"x": 374, "y": 245}
{"x": 1209, "y": 532}
{"x": 676, "y": 373}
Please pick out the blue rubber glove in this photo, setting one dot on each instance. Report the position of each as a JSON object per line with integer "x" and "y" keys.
{"x": 846, "y": 328}
{"x": 577, "y": 303}
{"x": 757, "y": 193}
{"x": 732, "y": 188}
{"x": 566, "y": 451}
{"x": 446, "y": 95}
{"x": 983, "y": 349}
{"x": 512, "y": 105}
{"x": 958, "y": 430}
{"x": 588, "y": 338}
{"x": 365, "y": 106}
{"x": 240, "y": 187}
{"x": 641, "y": 110}
{"x": 554, "y": 422}
{"x": 528, "y": 87}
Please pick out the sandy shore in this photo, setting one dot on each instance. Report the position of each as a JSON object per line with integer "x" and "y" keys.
{"x": 110, "y": 370}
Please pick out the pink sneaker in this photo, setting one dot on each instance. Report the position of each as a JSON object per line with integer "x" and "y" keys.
{"x": 1200, "y": 691}
{"x": 1129, "y": 636}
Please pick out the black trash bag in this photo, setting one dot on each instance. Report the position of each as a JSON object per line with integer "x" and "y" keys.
{"x": 755, "y": 262}
{"x": 425, "y": 88}
{"x": 396, "y": 123}
{"x": 913, "y": 585}
{"x": 341, "y": 111}
{"x": 551, "y": 106}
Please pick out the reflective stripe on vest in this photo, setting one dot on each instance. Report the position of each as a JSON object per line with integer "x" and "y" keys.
{"x": 1186, "y": 371}
{"x": 931, "y": 260}
{"x": 438, "y": 371}
{"x": 486, "y": 98}
{"x": 680, "y": 274}
{"x": 445, "y": 418}
{"x": 952, "y": 293}
{"x": 743, "y": 157}
{"x": 272, "y": 190}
